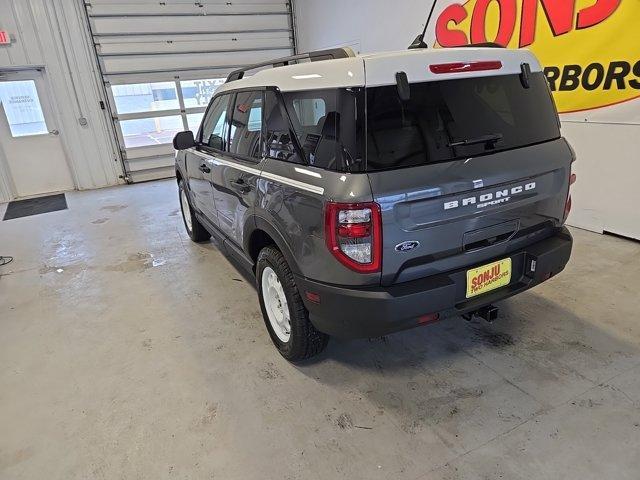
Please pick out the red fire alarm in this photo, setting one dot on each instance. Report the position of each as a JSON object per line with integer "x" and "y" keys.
{"x": 5, "y": 39}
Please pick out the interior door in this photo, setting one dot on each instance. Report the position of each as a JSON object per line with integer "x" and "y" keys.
{"x": 30, "y": 137}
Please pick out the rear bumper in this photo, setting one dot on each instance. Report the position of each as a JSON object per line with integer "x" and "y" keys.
{"x": 372, "y": 312}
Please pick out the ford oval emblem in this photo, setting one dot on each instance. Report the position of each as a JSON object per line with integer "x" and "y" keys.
{"x": 407, "y": 246}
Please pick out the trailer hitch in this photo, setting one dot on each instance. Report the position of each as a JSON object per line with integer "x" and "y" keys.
{"x": 488, "y": 313}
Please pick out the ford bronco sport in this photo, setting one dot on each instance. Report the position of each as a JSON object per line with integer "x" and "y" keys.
{"x": 376, "y": 193}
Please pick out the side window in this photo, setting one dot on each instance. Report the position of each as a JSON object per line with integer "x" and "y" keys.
{"x": 327, "y": 124}
{"x": 278, "y": 137}
{"x": 310, "y": 110}
{"x": 246, "y": 125}
{"x": 214, "y": 126}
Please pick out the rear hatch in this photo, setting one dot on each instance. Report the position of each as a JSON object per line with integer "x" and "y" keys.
{"x": 466, "y": 170}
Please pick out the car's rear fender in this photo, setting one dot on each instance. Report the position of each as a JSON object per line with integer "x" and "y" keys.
{"x": 292, "y": 198}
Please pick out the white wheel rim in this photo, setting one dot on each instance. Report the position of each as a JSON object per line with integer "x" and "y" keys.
{"x": 275, "y": 303}
{"x": 186, "y": 210}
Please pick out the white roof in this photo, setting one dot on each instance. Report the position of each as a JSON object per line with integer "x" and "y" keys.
{"x": 380, "y": 69}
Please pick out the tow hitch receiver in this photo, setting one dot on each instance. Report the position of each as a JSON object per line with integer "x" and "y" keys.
{"x": 488, "y": 314}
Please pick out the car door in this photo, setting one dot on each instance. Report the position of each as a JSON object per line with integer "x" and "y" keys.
{"x": 235, "y": 172}
{"x": 211, "y": 140}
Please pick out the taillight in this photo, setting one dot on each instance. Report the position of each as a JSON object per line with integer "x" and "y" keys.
{"x": 461, "y": 67}
{"x": 567, "y": 207}
{"x": 353, "y": 233}
{"x": 572, "y": 180}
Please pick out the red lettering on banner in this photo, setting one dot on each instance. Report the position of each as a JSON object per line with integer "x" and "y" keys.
{"x": 507, "y": 24}
{"x": 451, "y": 38}
{"x": 560, "y": 16}
{"x": 596, "y": 13}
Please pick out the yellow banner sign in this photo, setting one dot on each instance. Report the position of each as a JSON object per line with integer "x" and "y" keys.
{"x": 590, "y": 49}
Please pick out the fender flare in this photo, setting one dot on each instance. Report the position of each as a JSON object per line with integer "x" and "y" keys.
{"x": 185, "y": 181}
{"x": 260, "y": 223}
{"x": 180, "y": 163}
{"x": 180, "y": 171}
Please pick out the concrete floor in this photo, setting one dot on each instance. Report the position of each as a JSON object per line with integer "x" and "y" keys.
{"x": 127, "y": 351}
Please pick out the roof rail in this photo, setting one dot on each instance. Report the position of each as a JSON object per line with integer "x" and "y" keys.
{"x": 316, "y": 56}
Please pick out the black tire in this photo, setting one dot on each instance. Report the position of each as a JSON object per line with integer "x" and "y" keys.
{"x": 304, "y": 340}
{"x": 196, "y": 232}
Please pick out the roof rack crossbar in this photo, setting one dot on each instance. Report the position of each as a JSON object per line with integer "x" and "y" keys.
{"x": 316, "y": 56}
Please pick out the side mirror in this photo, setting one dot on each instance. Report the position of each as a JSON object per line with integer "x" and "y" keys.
{"x": 184, "y": 140}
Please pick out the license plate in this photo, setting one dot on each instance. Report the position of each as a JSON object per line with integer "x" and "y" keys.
{"x": 489, "y": 277}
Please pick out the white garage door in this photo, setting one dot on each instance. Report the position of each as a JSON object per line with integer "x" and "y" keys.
{"x": 161, "y": 61}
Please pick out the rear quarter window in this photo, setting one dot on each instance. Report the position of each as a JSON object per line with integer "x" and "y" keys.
{"x": 246, "y": 125}
{"x": 309, "y": 110}
{"x": 327, "y": 126}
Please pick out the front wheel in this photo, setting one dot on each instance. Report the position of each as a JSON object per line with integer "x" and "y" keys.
{"x": 196, "y": 231}
{"x": 285, "y": 315}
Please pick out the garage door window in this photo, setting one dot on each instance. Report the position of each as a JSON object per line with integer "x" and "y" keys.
{"x": 198, "y": 93}
{"x": 150, "y": 114}
{"x": 194, "y": 120}
{"x": 144, "y": 132}
{"x": 145, "y": 97}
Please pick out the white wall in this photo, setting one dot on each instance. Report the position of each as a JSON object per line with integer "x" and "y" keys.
{"x": 607, "y": 195}
{"x": 51, "y": 34}
{"x": 364, "y": 25}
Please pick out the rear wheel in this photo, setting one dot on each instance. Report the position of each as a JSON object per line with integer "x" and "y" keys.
{"x": 196, "y": 231}
{"x": 285, "y": 315}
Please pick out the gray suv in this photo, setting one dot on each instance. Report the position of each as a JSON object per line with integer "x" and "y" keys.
{"x": 376, "y": 193}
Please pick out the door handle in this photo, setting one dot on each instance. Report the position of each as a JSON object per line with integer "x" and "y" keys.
{"x": 204, "y": 168}
{"x": 54, "y": 132}
{"x": 241, "y": 185}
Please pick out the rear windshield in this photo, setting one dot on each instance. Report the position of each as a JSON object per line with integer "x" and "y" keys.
{"x": 454, "y": 119}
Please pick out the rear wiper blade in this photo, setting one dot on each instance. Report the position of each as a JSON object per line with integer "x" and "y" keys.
{"x": 489, "y": 140}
